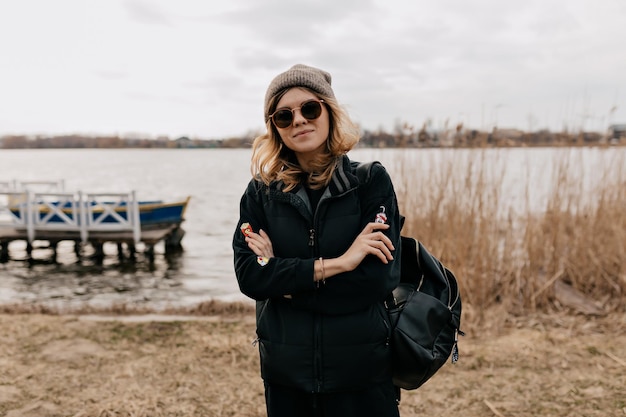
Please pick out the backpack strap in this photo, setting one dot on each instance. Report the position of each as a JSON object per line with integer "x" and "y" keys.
{"x": 364, "y": 170}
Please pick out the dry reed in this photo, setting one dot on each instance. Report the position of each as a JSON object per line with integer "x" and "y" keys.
{"x": 568, "y": 252}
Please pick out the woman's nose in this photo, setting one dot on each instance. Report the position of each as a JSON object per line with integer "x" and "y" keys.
{"x": 298, "y": 118}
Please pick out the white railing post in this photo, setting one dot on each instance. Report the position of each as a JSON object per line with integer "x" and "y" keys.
{"x": 136, "y": 220}
{"x": 82, "y": 216}
{"x": 30, "y": 216}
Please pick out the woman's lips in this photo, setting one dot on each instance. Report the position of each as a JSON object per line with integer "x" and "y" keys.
{"x": 304, "y": 132}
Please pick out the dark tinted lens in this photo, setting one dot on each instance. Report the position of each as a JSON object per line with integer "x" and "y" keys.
{"x": 311, "y": 110}
{"x": 283, "y": 118}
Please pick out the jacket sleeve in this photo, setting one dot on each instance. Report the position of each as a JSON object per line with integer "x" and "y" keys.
{"x": 263, "y": 278}
{"x": 372, "y": 281}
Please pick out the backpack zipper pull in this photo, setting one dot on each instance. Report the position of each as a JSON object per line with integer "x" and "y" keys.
{"x": 255, "y": 342}
{"x": 455, "y": 348}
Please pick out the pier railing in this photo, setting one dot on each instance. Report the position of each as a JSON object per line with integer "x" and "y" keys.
{"x": 82, "y": 213}
{"x": 42, "y": 186}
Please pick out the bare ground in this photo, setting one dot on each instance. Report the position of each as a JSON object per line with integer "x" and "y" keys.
{"x": 68, "y": 365}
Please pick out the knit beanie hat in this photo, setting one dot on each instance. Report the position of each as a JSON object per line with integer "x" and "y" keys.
{"x": 299, "y": 76}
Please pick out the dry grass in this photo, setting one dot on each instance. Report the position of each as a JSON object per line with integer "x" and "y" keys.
{"x": 64, "y": 366}
{"x": 207, "y": 308}
{"x": 53, "y": 366}
{"x": 568, "y": 254}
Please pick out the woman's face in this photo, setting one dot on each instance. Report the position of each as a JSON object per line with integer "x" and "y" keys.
{"x": 306, "y": 138}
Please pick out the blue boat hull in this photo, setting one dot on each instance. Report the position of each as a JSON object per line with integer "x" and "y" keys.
{"x": 151, "y": 213}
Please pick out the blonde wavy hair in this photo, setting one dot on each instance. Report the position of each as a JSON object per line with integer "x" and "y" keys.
{"x": 273, "y": 161}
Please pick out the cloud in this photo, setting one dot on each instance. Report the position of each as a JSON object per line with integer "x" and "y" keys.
{"x": 146, "y": 12}
{"x": 110, "y": 74}
{"x": 204, "y": 66}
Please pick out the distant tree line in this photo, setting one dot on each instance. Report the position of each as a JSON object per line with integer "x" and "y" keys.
{"x": 403, "y": 136}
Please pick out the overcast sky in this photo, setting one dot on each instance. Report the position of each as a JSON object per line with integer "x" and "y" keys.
{"x": 200, "y": 68}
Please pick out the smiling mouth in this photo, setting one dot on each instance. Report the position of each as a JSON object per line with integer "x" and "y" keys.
{"x": 304, "y": 132}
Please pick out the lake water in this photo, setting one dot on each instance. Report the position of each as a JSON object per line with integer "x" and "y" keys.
{"x": 215, "y": 180}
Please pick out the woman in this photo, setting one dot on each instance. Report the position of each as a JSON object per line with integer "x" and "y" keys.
{"x": 317, "y": 251}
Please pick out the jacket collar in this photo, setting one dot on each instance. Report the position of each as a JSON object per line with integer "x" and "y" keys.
{"x": 342, "y": 180}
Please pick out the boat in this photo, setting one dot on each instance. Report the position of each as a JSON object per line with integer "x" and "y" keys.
{"x": 51, "y": 204}
{"x": 54, "y": 215}
{"x": 152, "y": 213}
{"x": 58, "y": 215}
{"x": 158, "y": 212}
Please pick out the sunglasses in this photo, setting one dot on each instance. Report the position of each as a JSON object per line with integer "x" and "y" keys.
{"x": 310, "y": 110}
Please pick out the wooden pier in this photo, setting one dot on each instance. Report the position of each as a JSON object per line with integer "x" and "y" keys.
{"x": 86, "y": 219}
{"x": 127, "y": 247}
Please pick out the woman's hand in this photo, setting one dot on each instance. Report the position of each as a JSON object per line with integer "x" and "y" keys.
{"x": 260, "y": 244}
{"x": 371, "y": 241}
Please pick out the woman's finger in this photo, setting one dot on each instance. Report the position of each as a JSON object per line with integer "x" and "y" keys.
{"x": 373, "y": 227}
{"x": 254, "y": 248}
{"x": 381, "y": 237}
{"x": 260, "y": 244}
{"x": 381, "y": 250}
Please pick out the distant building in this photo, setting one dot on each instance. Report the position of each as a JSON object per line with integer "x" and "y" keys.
{"x": 617, "y": 133}
{"x": 184, "y": 142}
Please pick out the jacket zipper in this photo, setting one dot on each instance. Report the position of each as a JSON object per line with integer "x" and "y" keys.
{"x": 317, "y": 339}
{"x": 388, "y": 340}
{"x": 317, "y": 330}
{"x": 318, "y": 353}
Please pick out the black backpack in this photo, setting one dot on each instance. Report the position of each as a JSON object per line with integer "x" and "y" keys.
{"x": 424, "y": 311}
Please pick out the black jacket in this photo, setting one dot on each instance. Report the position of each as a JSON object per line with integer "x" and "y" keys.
{"x": 333, "y": 336}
